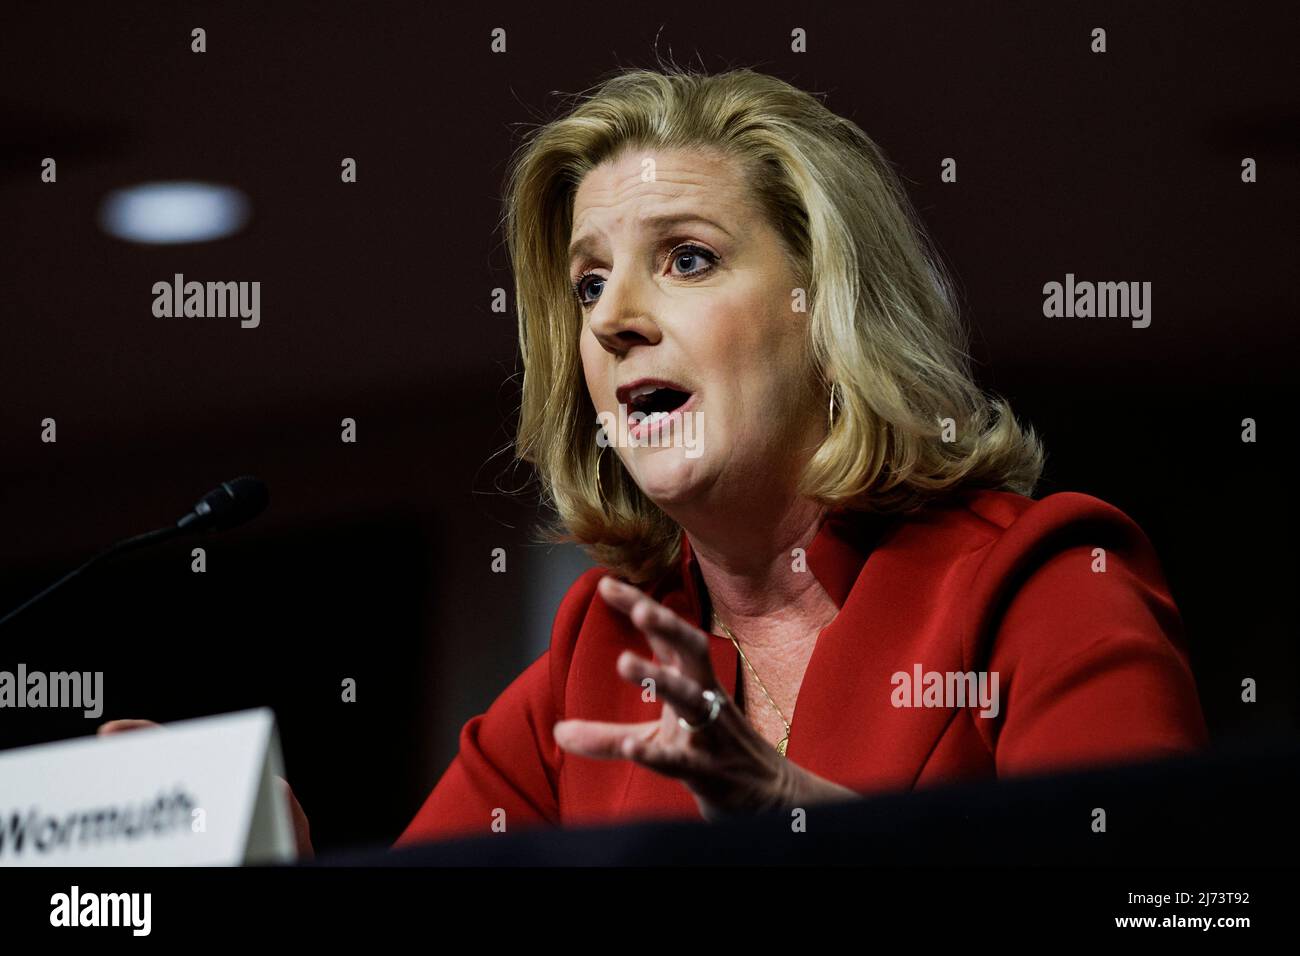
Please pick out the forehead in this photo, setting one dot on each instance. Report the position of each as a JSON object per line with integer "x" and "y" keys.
{"x": 645, "y": 181}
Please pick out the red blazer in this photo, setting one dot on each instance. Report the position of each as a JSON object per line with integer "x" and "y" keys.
{"x": 1092, "y": 667}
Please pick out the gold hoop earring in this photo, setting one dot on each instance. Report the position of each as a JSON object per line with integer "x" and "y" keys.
{"x": 600, "y": 490}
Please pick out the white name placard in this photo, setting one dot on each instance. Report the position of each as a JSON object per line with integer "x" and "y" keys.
{"x": 192, "y": 793}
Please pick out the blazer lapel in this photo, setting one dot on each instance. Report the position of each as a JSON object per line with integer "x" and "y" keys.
{"x": 846, "y": 727}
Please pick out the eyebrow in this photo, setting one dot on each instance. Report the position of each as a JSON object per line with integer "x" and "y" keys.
{"x": 585, "y": 246}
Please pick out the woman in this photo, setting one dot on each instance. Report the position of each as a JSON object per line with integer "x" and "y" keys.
{"x": 838, "y": 581}
{"x": 748, "y": 272}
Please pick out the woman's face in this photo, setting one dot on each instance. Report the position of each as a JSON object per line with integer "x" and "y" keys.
{"x": 683, "y": 282}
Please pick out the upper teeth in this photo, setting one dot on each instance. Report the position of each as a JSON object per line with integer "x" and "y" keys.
{"x": 643, "y": 390}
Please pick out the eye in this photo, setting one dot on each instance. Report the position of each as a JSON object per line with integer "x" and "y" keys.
{"x": 693, "y": 260}
{"x": 585, "y": 285}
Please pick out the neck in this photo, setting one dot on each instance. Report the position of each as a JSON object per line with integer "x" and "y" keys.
{"x": 747, "y": 566}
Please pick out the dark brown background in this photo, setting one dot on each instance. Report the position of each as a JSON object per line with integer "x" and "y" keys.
{"x": 373, "y": 561}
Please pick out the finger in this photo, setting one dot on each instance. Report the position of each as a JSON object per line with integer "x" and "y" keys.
{"x": 301, "y": 827}
{"x": 117, "y": 726}
{"x": 606, "y": 741}
{"x": 656, "y": 621}
{"x": 674, "y": 642}
{"x": 599, "y": 740}
{"x": 619, "y": 594}
{"x": 684, "y": 694}
{"x": 671, "y": 761}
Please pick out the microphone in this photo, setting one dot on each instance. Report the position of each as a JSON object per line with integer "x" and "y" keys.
{"x": 229, "y": 505}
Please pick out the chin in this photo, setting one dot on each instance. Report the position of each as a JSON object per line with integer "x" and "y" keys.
{"x": 666, "y": 476}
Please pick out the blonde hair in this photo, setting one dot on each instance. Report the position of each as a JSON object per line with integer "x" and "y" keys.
{"x": 884, "y": 331}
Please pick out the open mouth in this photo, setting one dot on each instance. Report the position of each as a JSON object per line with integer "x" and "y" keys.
{"x": 652, "y": 400}
{"x": 653, "y": 403}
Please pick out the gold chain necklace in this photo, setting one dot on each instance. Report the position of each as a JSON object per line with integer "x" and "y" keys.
{"x": 784, "y": 742}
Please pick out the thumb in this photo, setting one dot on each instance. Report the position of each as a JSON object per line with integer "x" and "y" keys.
{"x": 301, "y": 828}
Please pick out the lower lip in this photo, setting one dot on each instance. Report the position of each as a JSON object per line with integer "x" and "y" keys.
{"x": 645, "y": 428}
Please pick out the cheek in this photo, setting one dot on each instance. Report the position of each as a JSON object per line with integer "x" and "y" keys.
{"x": 758, "y": 340}
{"x": 727, "y": 334}
{"x": 762, "y": 361}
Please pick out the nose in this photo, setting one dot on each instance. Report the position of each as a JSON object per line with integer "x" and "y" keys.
{"x": 620, "y": 318}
